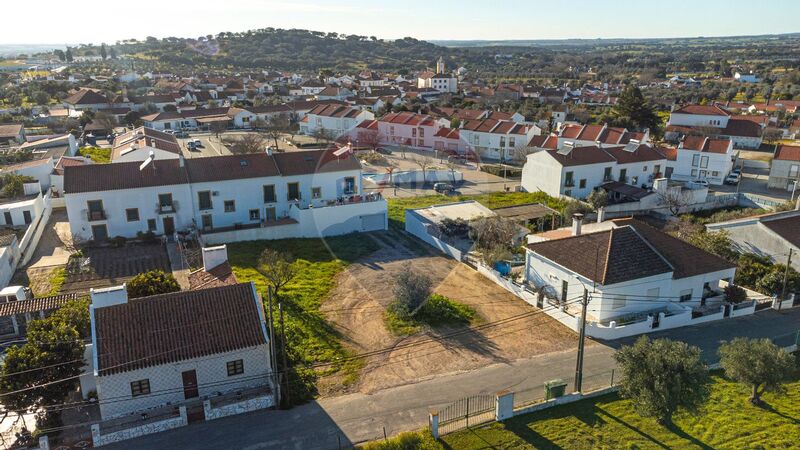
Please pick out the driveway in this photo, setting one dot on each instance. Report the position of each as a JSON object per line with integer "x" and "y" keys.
{"x": 56, "y": 237}
{"x": 360, "y": 417}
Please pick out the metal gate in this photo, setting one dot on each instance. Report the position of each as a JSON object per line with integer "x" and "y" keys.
{"x": 467, "y": 412}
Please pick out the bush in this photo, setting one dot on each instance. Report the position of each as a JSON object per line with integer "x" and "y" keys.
{"x": 411, "y": 289}
{"x": 148, "y": 237}
{"x": 414, "y": 440}
{"x": 734, "y": 294}
{"x": 152, "y": 283}
{"x": 437, "y": 311}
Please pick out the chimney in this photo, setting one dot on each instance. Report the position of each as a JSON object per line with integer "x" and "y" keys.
{"x": 214, "y": 256}
{"x": 601, "y": 214}
{"x": 180, "y": 160}
{"x": 115, "y": 295}
{"x": 577, "y": 219}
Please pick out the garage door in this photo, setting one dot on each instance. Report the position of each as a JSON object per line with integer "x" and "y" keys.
{"x": 373, "y": 222}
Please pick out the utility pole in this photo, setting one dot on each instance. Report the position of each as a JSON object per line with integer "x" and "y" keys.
{"x": 285, "y": 364}
{"x": 273, "y": 360}
{"x": 785, "y": 279}
{"x": 581, "y": 339}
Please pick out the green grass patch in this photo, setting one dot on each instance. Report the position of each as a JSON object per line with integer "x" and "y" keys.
{"x": 437, "y": 311}
{"x": 398, "y": 206}
{"x": 415, "y": 440}
{"x": 310, "y": 339}
{"x": 728, "y": 421}
{"x": 96, "y": 154}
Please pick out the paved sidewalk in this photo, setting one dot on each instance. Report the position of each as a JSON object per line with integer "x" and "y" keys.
{"x": 355, "y": 418}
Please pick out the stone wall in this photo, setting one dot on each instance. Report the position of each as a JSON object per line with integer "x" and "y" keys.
{"x": 139, "y": 431}
{"x": 253, "y": 404}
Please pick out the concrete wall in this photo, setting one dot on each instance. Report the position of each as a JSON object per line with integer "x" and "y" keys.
{"x": 751, "y": 236}
{"x": 415, "y": 177}
{"x": 779, "y": 174}
{"x": 253, "y": 404}
{"x": 166, "y": 384}
{"x": 418, "y": 226}
{"x": 99, "y": 439}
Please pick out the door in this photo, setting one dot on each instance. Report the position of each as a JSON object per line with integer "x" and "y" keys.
{"x": 190, "y": 384}
{"x": 26, "y": 215}
{"x": 169, "y": 226}
{"x": 7, "y": 216}
{"x": 99, "y": 232}
{"x": 668, "y": 172}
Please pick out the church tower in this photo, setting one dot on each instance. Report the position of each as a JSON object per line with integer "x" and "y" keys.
{"x": 440, "y": 65}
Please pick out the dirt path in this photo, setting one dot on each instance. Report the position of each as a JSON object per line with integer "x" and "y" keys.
{"x": 357, "y": 303}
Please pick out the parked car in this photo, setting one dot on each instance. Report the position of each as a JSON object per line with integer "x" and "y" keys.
{"x": 733, "y": 178}
{"x": 197, "y": 143}
{"x": 443, "y": 188}
{"x": 383, "y": 150}
{"x": 169, "y": 131}
{"x": 191, "y": 146}
{"x": 181, "y": 134}
{"x": 699, "y": 183}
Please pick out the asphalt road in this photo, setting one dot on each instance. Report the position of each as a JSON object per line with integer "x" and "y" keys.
{"x": 339, "y": 422}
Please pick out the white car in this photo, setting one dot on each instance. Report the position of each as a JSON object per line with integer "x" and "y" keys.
{"x": 733, "y": 178}
{"x": 699, "y": 183}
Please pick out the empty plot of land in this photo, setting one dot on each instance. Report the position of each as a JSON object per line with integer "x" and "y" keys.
{"x": 509, "y": 329}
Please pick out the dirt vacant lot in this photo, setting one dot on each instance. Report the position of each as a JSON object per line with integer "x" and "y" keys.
{"x": 363, "y": 291}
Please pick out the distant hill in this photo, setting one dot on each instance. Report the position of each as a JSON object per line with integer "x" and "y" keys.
{"x": 12, "y": 50}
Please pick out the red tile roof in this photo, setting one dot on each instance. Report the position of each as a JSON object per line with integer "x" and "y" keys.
{"x": 141, "y": 137}
{"x": 335, "y": 111}
{"x": 168, "y": 328}
{"x": 408, "y": 118}
{"x": 742, "y": 127}
{"x": 447, "y": 133}
{"x": 787, "y": 153}
{"x": 705, "y": 110}
{"x": 704, "y": 144}
{"x": 36, "y": 304}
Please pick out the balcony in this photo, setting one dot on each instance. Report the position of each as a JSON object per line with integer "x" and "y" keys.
{"x": 94, "y": 216}
{"x": 569, "y": 183}
{"x": 167, "y": 208}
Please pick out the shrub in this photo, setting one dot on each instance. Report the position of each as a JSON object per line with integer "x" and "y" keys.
{"x": 152, "y": 283}
{"x": 437, "y": 311}
{"x": 734, "y": 294}
{"x": 411, "y": 289}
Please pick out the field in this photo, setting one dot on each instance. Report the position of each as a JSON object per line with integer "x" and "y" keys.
{"x": 729, "y": 421}
{"x": 310, "y": 338}
{"x": 397, "y": 206}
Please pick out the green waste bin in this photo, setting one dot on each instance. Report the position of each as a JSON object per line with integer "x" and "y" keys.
{"x": 554, "y": 388}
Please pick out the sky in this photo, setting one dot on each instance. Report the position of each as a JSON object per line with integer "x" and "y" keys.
{"x": 95, "y": 21}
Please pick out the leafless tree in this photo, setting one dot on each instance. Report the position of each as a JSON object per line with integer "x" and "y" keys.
{"x": 108, "y": 122}
{"x": 492, "y": 232}
{"x": 277, "y": 267}
{"x": 276, "y": 127}
{"x": 218, "y": 127}
{"x": 323, "y": 135}
{"x": 673, "y": 199}
{"x": 370, "y": 139}
{"x": 424, "y": 162}
{"x": 258, "y": 124}
{"x": 249, "y": 143}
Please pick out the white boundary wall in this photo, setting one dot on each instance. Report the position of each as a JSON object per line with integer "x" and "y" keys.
{"x": 142, "y": 430}
{"x": 244, "y": 406}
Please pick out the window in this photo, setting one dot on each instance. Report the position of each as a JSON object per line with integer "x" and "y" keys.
{"x": 794, "y": 169}
{"x": 151, "y": 224}
{"x": 230, "y": 205}
{"x": 568, "y": 192}
{"x": 235, "y": 367}
{"x": 564, "y": 290}
{"x": 350, "y": 185}
{"x": 714, "y": 173}
{"x": 607, "y": 174}
{"x": 686, "y": 295}
{"x": 26, "y": 217}
{"x": 391, "y": 130}
{"x": 165, "y": 202}
{"x": 618, "y": 301}
{"x": 413, "y": 132}
{"x": 657, "y": 168}
{"x": 502, "y": 141}
{"x": 205, "y": 221}
{"x": 634, "y": 180}
{"x": 255, "y": 214}
{"x": 132, "y": 214}
{"x": 316, "y": 192}
{"x": 704, "y": 162}
{"x": 140, "y": 387}
{"x": 293, "y": 191}
{"x": 511, "y": 142}
{"x": 568, "y": 181}
{"x": 695, "y": 160}
{"x": 623, "y": 175}
{"x": 582, "y": 183}
{"x": 204, "y": 200}
{"x": 269, "y": 193}
{"x": 644, "y": 169}
{"x": 271, "y": 215}
{"x": 95, "y": 210}
{"x": 7, "y": 216}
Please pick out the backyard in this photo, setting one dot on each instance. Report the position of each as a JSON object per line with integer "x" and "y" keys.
{"x": 728, "y": 421}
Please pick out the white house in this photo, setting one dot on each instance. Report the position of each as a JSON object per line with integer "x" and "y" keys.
{"x": 177, "y": 348}
{"x": 770, "y": 235}
{"x": 631, "y": 270}
{"x": 714, "y": 121}
{"x": 186, "y": 119}
{"x": 784, "y": 171}
{"x": 409, "y": 129}
{"x": 576, "y": 172}
{"x": 237, "y": 197}
{"x": 138, "y": 144}
{"x": 497, "y": 139}
{"x": 335, "y": 119}
{"x": 312, "y": 87}
{"x": 702, "y": 158}
{"x": 746, "y": 77}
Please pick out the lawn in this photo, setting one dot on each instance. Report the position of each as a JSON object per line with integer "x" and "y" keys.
{"x": 398, "y": 206}
{"x": 310, "y": 339}
{"x": 729, "y": 421}
{"x": 96, "y": 154}
{"x": 437, "y": 311}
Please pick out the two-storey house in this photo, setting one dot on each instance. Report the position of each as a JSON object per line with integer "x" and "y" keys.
{"x": 702, "y": 158}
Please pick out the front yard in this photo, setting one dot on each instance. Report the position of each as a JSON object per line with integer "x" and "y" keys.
{"x": 729, "y": 421}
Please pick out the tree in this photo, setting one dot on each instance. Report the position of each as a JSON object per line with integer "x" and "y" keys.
{"x": 633, "y": 110}
{"x": 277, "y": 125}
{"x": 758, "y": 363}
{"x": 277, "y": 267}
{"x": 717, "y": 242}
{"x": 86, "y": 117}
{"x": 150, "y": 283}
{"x": 423, "y": 163}
{"x": 576, "y": 207}
{"x": 772, "y": 282}
{"x": 103, "y": 51}
{"x": 68, "y": 55}
{"x": 673, "y": 199}
{"x": 48, "y": 362}
{"x": 218, "y": 127}
{"x": 411, "y": 289}
{"x": 60, "y": 54}
{"x": 41, "y": 97}
{"x": 662, "y": 376}
{"x": 13, "y": 184}
{"x": 112, "y": 53}
{"x": 249, "y": 143}
{"x": 734, "y": 294}
{"x": 133, "y": 118}
{"x": 598, "y": 198}
{"x": 491, "y": 232}
{"x": 106, "y": 121}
